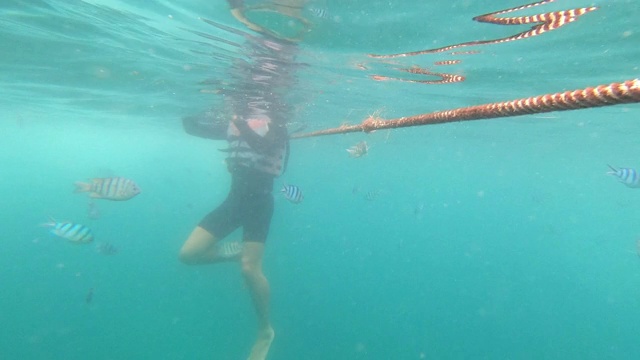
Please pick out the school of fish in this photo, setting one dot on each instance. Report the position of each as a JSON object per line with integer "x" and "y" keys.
{"x": 110, "y": 188}
{"x": 121, "y": 189}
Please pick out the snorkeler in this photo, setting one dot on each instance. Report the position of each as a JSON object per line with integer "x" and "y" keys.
{"x": 254, "y": 126}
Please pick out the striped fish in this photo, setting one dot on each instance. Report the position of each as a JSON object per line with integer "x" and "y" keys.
{"x": 73, "y": 232}
{"x": 372, "y": 195}
{"x": 627, "y": 176}
{"x": 318, "y": 12}
{"x": 292, "y": 193}
{"x": 106, "y": 249}
{"x": 112, "y": 188}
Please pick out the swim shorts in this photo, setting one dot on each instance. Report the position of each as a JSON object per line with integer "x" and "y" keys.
{"x": 249, "y": 204}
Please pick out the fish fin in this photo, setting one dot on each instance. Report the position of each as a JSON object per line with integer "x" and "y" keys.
{"x": 613, "y": 170}
{"x": 81, "y": 187}
{"x": 95, "y": 195}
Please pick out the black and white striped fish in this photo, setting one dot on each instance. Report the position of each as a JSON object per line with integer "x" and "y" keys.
{"x": 106, "y": 249}
{"x": 76, "y": 233}
{"x": 112, "y": 188}
{"x": 292, "y": 193}
{"x": 627, "y": 176}
{"x": 372, "y": 195}
{"x": 318, "y": 12}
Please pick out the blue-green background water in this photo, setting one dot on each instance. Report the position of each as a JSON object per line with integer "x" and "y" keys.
{"x": 524, "y": 247}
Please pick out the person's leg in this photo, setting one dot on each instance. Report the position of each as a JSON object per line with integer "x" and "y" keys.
{"x": 202, "y": 245}
{"x": 200, "y": 248}
{"x": 259, "y": 287}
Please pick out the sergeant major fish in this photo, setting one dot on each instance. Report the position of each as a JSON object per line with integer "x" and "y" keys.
{"x": 112, "y": 188}
{"x": 292, "y": 193}
{"x": 106, "y": 249}
{"x": 319, "y": 12}
{"x": 627, "y": 176}
{"x": 75, "y": 233}
{"x": 372, "y": 195}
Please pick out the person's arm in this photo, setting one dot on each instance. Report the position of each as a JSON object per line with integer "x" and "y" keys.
{"x": 199, "y": 125}
{"x": 259, "y": 143}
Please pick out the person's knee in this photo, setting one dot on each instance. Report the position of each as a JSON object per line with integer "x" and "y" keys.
{"x": 250, "y": 268}
{"x": 192, "y": 249}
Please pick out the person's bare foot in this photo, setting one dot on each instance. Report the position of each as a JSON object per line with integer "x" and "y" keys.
{"x": 261, "y": 347}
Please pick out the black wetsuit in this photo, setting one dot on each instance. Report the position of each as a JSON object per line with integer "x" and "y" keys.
{"x": 249, "y": 204}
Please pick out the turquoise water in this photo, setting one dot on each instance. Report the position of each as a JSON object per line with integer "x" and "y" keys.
{"x": 496, "y": 239}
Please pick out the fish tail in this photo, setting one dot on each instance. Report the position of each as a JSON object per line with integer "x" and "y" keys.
{"x": 613, "y": 170}
{"x": 51, "y": 223}
{"x": 81, "y": 187}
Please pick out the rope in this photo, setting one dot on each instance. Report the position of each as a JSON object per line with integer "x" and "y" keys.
{"x": 603, "y": 95}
